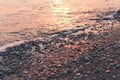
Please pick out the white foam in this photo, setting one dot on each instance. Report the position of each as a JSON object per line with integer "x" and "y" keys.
{"x": 3, "y": 48}
{"x": 17, "y": 43}
{"x": 38, "y": 39}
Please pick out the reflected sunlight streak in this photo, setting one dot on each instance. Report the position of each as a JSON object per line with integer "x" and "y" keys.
{"x": 57, "y": 1}
{"x": 60, "y": 12}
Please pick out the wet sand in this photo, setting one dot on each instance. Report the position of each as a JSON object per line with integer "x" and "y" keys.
{"x": 23, "y": 20}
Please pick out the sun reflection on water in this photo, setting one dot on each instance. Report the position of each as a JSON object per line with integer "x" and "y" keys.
{"x": 59, "y": 12}
{"x": 57, "y": 1}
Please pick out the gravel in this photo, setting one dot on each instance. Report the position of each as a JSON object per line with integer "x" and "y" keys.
{"x": 69, "y": 55}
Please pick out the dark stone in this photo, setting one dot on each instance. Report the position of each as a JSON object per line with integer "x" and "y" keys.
{"x": 118, "y": 11}
{"x": 82, "y": 35}
{"x": 106, "y": 33}
{"x": 2, "y": 75}
{"x": 44, "y": 78}
{"x": 34, "y": 44}
{"x": 96, "y": 71}
{"x": 82, "y": 60}
{"x": 90, "y": 35}
{"x": 40, "y": 69}
{"x": 78, "y": 78}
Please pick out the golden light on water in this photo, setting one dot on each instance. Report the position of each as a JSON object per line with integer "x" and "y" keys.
{"x": 57, "y": 1}
{"x": 19, "y": 17}
{"x": 59, "y": 12}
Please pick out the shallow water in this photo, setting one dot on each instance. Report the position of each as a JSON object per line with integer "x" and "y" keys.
{"x": 25, "y": 19}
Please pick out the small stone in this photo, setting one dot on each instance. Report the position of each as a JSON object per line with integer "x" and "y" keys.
{"x": 25, "y": 72}
{"x": 59, "y": 65}
{"x": 106, "y": 79}
{"x": 90, "y": 35}
{"x": 44, "y": 78}
{"x": 78, "y": 74}
{"x": 1, "y": 67}
{"x": 107, "y": 71}
{"x": 114, "y": 76}
{"x": 40, "y": 69}
{"x": 2, "y": 75}
{"x": 105, "y": 33}
{"x": 66, "y": 39}
{"x": 82, "y": 35}
{"x": 64, "y": 73}
{"x": 1, "y": 58}
{"x": 52, "y": 73}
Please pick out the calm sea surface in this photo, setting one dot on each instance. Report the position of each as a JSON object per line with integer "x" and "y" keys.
{"x": 23, "y": 19}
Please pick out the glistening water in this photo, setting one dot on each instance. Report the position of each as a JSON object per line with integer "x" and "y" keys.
{"x": 26, "y": 19}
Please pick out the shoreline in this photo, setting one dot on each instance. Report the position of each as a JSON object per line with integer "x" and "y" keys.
{"x": 74, "y": 54}
{"x": 109, "y": 17}
{"x": 39, "y": 39}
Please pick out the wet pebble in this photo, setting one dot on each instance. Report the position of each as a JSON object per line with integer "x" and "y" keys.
{"x": 2, "y": 75}
{"x": 71, "y": 63}
{"x": 1, "y": 58}
{"x": 106, "y": 33}
{"x": 44, "y": 78}
{"x": 82, "y": 35}
{"x": 90, "y": 35}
